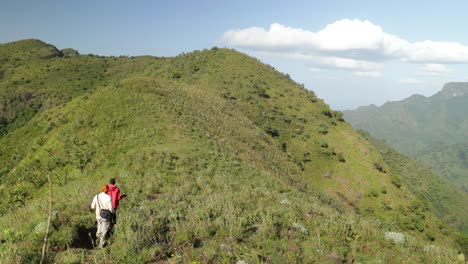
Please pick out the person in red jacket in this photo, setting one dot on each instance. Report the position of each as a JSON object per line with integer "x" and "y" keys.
{"x": 116, "y": 196}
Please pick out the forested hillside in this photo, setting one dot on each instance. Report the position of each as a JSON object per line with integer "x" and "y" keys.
{"x": 223, "y": 159}
{"x": 433, "y": 130}
{"x": 447, "y": 201}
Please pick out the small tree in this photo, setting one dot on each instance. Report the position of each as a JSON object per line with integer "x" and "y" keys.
{"x": 30, "y": 173}
{"x": 339, "y": 116}
{"x": 49, "y": 167}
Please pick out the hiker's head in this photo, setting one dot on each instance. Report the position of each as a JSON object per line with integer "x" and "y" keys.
{"x": 105, "y": 188}
{"x": 112, "y": 181}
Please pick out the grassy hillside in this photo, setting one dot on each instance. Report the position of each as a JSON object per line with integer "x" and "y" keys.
{"x": 445, "y": 199}
{"x": 222, "y": 157}
{"x": 432, "y": 129}
{"x": 449, "y": 160}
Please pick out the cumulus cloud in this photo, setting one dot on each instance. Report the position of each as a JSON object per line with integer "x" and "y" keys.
{"x": 436, "y": 52}
{"x": 349, "y": 64}
{"x": 352, "y": 44}
{"x": 317, "y": 61}
{"x": 351, "y": 39}
{"x": 358, "y": 67}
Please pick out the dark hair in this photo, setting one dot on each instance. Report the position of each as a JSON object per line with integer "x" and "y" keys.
{"x": 112, "y": 181}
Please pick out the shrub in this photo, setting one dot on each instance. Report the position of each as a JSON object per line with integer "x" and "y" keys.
{"x": 379, "y": 168}
{"x": 383, "y": 189}
{"x": 374, "y": 193}
{"x": 462, "y": 240}
{"x": 69, "y": 53}
{"x": 341, "y": 157}
{"x": 195, "y": 68}
{"x": 272, "y": 132}
{"x": 396, "y": 180}
{"x": 323, "y": 129}
{"x": 327, "y": 113}
{"x": 284, "y": 146}
{"x": 3, "y": 125}
{"x": 176, "y": 75}
{"x": 338, "y": 115}
{"x": 323, "y": 144}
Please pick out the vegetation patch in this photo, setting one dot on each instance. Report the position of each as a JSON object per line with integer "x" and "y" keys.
{"x": 214, "y": 170}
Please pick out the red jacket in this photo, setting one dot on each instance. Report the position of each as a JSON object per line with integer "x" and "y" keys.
{"x": 114, "y": 193}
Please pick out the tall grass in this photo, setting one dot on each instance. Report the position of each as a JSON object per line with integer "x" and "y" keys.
{"x": 222, "y": 159}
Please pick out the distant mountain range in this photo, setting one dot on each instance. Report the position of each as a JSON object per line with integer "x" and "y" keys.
{"x": 433, "y": 130}
{"x": 223, "y": 158}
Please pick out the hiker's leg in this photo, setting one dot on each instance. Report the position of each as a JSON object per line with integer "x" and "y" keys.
{"x": 111, "y": 225}
{"x": 99, "y": 229}
{"x": 114, "y": 217}
{"x": 104, "y": 231}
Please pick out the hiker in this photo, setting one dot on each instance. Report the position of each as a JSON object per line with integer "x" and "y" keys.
{"x": 102, "y": 202}
{"x": 116, "y": 196}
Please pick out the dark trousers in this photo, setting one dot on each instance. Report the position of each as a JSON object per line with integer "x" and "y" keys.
{"x": 114, "y": 217}
{"x": 112, "y": 222}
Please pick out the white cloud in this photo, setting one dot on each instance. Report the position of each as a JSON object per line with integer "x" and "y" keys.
{"x": 345, "y": 37}
{"x": 435, "y": 69}
{"x": 436, "y": 52}
{"x": 318, "y": 62}
{"x": 359, "y": 67}
{"x": 349, "y": 64}
{"x": 349, "y": 34}
{"x": 278, "y": 37}
{"x": 373, "y": 74}
{"x": 343, "y": 41}
{"x": 410, "y": 81}
{"x": 313, "y": 69}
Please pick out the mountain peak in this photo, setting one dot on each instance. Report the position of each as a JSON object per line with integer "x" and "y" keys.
{"x": 416, "y": 96}
{"x": 454, "y": 89}
{"x": 29, "y": 49}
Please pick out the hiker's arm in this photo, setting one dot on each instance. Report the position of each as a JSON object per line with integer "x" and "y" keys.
{"x": 93, "y": 203}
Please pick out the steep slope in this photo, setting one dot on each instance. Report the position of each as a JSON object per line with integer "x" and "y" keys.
{"x": 222, "y": 158}
{"x": 34, "y": 77}
{"x": 449, "y": 160}
{"x": 447, "y": 201}
{"x": 432, "y": 130}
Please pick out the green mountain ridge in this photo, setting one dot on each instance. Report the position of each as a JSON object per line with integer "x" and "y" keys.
{"x": 418, "y": 126}
{"x": 446, "y": 200}
{"x": 222, "y": 157}
{"x": 450, "y": 160}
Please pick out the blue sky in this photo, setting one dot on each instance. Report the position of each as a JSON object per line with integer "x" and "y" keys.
{"x": 350, "y": 53}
